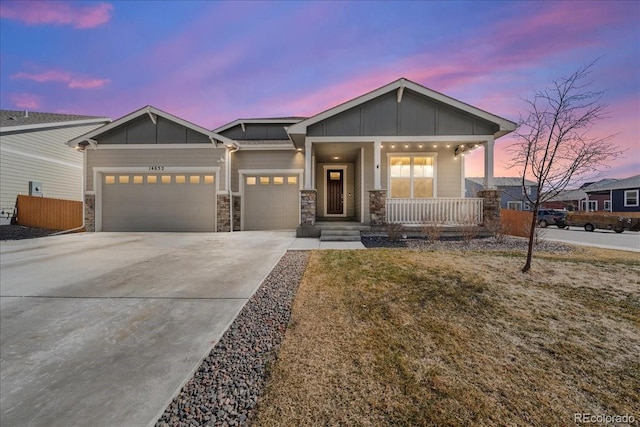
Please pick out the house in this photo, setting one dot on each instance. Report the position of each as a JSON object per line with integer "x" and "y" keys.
{"x": 34, "y": 158}
{"x": 619, "y": 195}
{"x": 606, "y": 195}
{"x": 393, "y": 155}
{"x": 512, "y": 194}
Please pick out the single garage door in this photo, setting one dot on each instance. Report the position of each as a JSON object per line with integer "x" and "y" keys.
{"x": 271, "y": 202}
{"x": 158, "y": 202}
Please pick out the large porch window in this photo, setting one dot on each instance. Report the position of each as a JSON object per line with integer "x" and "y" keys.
{"x": 411, "y": 176}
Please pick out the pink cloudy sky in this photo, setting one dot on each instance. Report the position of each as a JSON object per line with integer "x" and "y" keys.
{"x": 213, "y": 62}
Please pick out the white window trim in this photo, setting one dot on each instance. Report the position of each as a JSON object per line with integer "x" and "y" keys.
{"x": 241, "y": 184}
{"x": 628, "y": 205}
{"x": 343, "y": 168}
{"x": 431, "y": 154}
{"x": 607, "y": 205}
{"x": 514, "y": 203}
{"x": 586, "y": 204}
{"x": 99, "y": 171}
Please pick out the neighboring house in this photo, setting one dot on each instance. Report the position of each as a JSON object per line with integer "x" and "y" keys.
{"x": 512, "y": 194}
{"x": 621, "y": 195}
{"x": 34, "y": 158}
{"x": 395, "y": 155}
{"x": 606, "y": 195}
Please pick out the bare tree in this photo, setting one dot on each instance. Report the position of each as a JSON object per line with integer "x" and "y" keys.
{"x": 553, "y": 145}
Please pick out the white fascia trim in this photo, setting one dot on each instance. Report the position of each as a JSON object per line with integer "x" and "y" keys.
{"x": 301, "y": 127}
{"x": 149, "y": 110}
{"x": 243, "y": 122}
{"x": 43, "y": 158}
{"x": 55, "y": 124}
{"x": 153, "y": 146}
{"x": 399, "y": 139}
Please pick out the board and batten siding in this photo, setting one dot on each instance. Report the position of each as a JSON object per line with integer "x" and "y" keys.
{"x": 263, "y": 160}
{"x": 168, "y": 157}
{"x": 41, "y": 156}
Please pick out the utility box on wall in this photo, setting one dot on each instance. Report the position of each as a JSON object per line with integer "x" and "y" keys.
{"x": 35, "y": 188}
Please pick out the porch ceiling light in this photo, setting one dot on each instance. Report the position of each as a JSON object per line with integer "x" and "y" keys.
{"x": 420, "y": 146}
{"x": 406, "y": 145}
{"x": 336, "y": 158}
{"x": 393, "y": 146}
{"x": 435, "y": 145}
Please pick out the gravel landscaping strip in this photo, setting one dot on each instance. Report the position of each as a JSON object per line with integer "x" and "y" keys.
{"x": 226, "y": 387}
{"x": 509, "y": 243}
{"x": 19, "y": 232}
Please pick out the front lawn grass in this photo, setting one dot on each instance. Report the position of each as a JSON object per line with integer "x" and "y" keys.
{"x": 450, "y": 338}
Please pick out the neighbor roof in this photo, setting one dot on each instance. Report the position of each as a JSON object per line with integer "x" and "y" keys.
{"x": 618, "y": 184}
{"x": 13, "y": 120}
{"x": 505, "y": 126}
{"x": 503, "y": 181}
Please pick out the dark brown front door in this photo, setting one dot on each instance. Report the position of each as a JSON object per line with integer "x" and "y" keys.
{"x": 335, "y": 195}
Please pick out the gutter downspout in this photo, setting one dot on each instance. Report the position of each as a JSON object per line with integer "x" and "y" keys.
{"x": 235, "y": 148}
{"x": 84, "y": 177}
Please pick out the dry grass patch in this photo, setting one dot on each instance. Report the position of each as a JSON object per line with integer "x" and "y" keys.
{"x": 393, "y": 337}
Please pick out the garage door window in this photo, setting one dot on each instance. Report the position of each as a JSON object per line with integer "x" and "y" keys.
{"x": 181, "y": 179}
{"x": 137, "y": 179}
{"x": 264, "y": 180}
{"x": 208, "y": 179}
{"x": 152, "y": 179}
{"x": 251, "y": 180}
{"x": 194, "y": 179}
{"x": 109, "y": 179}
{"x": 278, "y": 180}
{"x": 123, "y": 179}
{"x": 165, "y": 179}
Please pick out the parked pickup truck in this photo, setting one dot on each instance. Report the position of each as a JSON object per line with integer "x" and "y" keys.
{"x": 591, "y": 221}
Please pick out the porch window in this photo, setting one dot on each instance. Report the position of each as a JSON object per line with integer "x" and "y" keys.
{"x": 411, "y": 177}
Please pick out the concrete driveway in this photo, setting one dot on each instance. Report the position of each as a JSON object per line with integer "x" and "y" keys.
{"x": 102, "y": 329}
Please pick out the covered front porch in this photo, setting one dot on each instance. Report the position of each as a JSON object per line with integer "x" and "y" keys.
{"x": 396, "y": 156}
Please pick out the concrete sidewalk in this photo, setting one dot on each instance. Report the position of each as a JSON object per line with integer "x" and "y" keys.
{"x": 308, "y": 243}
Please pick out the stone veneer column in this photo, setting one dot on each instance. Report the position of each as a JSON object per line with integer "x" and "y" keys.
{"x": 308, "y": 207}
{"x": 490, "y": 204}
{"x": 90, "y": 212}
{"x": 378, "y": 207}
{"x": 237, "y": 206}
{"x": 223, "y": 213}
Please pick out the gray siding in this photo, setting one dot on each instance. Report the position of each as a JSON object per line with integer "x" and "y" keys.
{"x": 142, "y": 131}
{"x": 285, "y": 159}
{"x": 257, "y": 131}
{"x": 188, "y": 157}
{"x": 416, "y": 115}
{"x": 44, "y": 157}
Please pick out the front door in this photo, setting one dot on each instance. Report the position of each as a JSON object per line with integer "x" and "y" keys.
{"x": 335, "y": 191}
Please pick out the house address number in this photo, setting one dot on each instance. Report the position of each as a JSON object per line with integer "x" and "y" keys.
{"x": 156, "y": 168}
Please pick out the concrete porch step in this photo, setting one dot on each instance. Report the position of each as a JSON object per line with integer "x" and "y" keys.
{"x": 340, "y": 236}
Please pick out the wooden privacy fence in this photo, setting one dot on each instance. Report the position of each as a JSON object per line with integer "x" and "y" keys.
{"x": 516, "y": 223}
{"x": 56, "y": 214}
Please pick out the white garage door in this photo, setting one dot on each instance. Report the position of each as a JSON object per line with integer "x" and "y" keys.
{"x": 271, "y": 202}
{"x": 158, "y": 202}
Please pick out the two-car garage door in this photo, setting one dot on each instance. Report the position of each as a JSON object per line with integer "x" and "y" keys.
{"x": 271, "y": 201}
{"x": 158, "y": 202}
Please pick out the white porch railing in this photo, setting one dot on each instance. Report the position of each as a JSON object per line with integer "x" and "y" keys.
{"x": 441, "y": 210}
